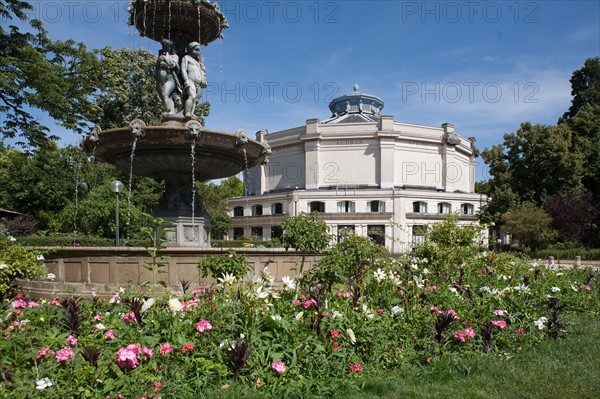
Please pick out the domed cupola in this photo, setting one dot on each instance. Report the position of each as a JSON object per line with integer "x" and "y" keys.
{"x": 355, "y": 107}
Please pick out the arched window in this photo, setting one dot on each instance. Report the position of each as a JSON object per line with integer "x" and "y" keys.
{"x": 376, "y": 206}
{"x": 316, "y": 206}
{"x": 444, "y": 208}
{"x": 277, "y": 209}
{"x": 467, "y": 209}
{"x": 238, "y": 211}
{"x": 257, "y": 210}
{"x": 345, "y": 207}
{"x": 420, "y": 207}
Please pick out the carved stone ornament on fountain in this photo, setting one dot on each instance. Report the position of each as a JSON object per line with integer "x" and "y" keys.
{"x": 180, "y": 151}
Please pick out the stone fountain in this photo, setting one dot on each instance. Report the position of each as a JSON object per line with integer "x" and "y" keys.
{"x": 180, "y": 150}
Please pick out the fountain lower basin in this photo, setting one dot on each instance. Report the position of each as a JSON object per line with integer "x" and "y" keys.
{"x": 165, "y": 153}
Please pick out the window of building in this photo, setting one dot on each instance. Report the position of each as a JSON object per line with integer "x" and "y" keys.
{"x": 444, "y": 208}
{"x": 238, "y": 211}
{"x": 345, "y": 207}
{"x": 418, "y": 233}
{"x": 316, "y": 206}
{"x": 344, "y": 229}
{"x": 276, "y": 232}
{"x": 420, "y": 207}
{"x": 257, "y": 231}
{"x": 467, "y": 209}
{"x": 238, "y": 233}
{"x": 376, "y": 206}
{"x": 257, "y": 210}
{"x": 377, "y": 234}
{"x": 277, "y": 209}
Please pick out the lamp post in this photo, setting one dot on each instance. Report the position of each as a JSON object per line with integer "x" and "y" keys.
{"x": 295, "y": 198}
{"x": 116, "y": 187}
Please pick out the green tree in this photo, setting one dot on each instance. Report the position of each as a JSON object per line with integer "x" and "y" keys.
{"x": 308, "y": 234}
{"x": 37, "y": 72}
{"x": 585, "y": 87}
{"x": 531, "y": 165}
{"x": 214, "y": 199}
{"x": 530, "y": 225}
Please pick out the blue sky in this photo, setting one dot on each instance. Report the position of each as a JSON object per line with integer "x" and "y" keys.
{"x": 485, "y": 66}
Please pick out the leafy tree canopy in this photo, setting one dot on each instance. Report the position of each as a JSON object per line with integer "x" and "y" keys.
{"x": 38, "y": 73}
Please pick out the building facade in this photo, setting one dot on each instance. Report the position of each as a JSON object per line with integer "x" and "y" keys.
{"x": 363, "y": 172}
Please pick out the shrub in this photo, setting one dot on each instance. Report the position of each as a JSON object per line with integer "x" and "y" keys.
{"x": 17, "y": 262}
{"x": 218, "y": 265}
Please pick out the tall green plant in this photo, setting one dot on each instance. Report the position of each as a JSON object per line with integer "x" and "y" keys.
{"x": 155, "y": 232}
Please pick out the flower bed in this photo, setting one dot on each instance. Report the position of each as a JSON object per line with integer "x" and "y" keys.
{"x": 392, "y": 314}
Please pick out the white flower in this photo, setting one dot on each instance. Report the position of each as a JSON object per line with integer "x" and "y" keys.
{"x": 397, "y": 310}
{"x": 351, "y": 335}
{"x": 3, "y": 266}
{"x": 379, "y": 275}
{"x": 425, "y": 271}
{"x": 414, "y": 266}
{"x": 175, "y": 305}
{"x": 541, "y": 322}
{"x": 148, "y": 304}
{"x": 40, "y": 257}
{"x": 260, "y": 293}
{"x": 299, "y": 316}
{"x": 121, "y": 290}
{"x": 43, "y": 383}
{"x": 12, "y": 239}
{"x": 227, "y": 279}
{"x": 99, "y": 326}
{"x": 336, "y": 314}
{"x": 288, "y": 283}
{"x": 368, "y": 314}
{"x": 51, "y": 276}
{"x": 573, "y": 287}
{"x": 555, "y": 289}
{"x": 266, "y": 275}
{"x": 276, "y": 317}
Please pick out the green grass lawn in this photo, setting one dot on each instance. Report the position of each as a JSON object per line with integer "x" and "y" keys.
{"x": 555, "y": 369}
{"x": 566, "y": 368}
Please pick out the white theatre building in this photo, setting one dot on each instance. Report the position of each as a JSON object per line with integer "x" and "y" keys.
{"x": 363, "y": 172}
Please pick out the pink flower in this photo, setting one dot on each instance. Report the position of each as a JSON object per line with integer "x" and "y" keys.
{"x": 310, "y": 303}
{"x": 431, "y": 288}
{"x": 109, "y": 335}
{"x": 98, "y": 317}
{"x": 64, "y": 354}
{"x": 187, "y": 347}
{"x": 135, "y": 348}
{"x": 336, "y": 346}
{"x": 72, "y": 341}
{"x": 499, "y": 323}
{"x": 278, "y": 366}
{"x": 54, "y": 302}
{"x": 500, "y": 312}
{"x": 127, "y": 358}
{"x": 19, "y": 303}
{"x": 586, "y": 287}
{"x": 157, "y": 386}
{"x": 200, "y": 291}
{"x": 203, "y": 325}
{"x": 165, "y": 349}
{"x": 129, "y": 317}
{"x": 44, "y": 352}
{"x": 148, "y": 352}
{"x": 520, "y": 331}
{"x": 434, "y": 309}
{"x": 334, "y": 333}
{"x": 355, "y": 368}
{"x": 465, "y": 335}
{"x": 33, "y": 304}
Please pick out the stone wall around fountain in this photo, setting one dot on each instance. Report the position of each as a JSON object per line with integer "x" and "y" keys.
{"x": 102, "y": 272}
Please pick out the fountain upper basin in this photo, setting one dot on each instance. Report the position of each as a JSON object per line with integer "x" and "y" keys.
{"x": 165, "y": 150}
